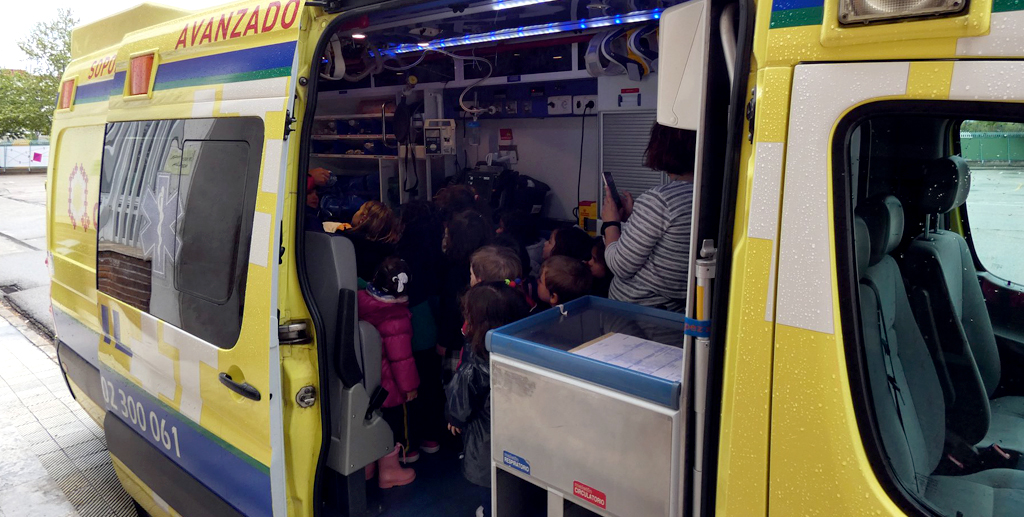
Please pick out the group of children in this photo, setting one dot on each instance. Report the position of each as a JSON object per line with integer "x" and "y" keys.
{"x": 437, "y": 279}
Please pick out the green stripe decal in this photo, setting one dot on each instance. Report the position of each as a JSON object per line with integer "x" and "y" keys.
{"x": 187, "y": 421}
{"x": 227, "y": 78}
{"x": 799, "y": 17}
{"x": 1002, "y": 6}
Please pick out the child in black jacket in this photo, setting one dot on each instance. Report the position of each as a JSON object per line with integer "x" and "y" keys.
{"x": 486, "y": 306}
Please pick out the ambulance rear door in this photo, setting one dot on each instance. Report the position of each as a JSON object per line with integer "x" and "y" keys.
{"x": 189, "y": 218}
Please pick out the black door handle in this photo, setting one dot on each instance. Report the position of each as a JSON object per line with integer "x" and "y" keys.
{"x": 244, "y": 389}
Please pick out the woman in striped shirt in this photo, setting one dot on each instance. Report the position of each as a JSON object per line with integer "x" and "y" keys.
{"x": 648, "y": 241}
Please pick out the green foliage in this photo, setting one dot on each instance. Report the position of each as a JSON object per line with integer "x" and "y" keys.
{"x": 27, "y": 100}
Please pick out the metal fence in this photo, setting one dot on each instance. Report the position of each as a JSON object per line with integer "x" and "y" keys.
{"x": 21, "y": 158}
{"x": 995, "y": 148}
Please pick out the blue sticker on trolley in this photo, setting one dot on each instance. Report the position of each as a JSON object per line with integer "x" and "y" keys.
{"x": 516, "y": 462}
{"x": 697, "y": 328}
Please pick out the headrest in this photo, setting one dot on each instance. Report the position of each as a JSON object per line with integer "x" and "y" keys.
{"x": 884, "y": 220}
{"x": 862, "y": 243}
{"x": 943, "y": 185}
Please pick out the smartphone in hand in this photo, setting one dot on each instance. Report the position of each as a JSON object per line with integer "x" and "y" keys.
{"x": 611, "y": 187}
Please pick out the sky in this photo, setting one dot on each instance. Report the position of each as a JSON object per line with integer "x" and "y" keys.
{"x": 20, "y": 16}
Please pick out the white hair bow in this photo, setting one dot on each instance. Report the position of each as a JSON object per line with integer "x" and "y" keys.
{"x": 401, "y": 279}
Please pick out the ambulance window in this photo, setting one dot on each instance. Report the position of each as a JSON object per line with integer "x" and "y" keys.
{"x": 215, "y": 192}
{"x": 935, "y": 345}
{"x": 138, "y": 208}
{"x": 177, "y": 199}
{"x": 995, "y": 151}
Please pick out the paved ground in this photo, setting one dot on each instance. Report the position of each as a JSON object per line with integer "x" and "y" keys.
{"x": 995, "y": 208}
{"x": 24, "y": 281}
{"x": 53, "y": 457}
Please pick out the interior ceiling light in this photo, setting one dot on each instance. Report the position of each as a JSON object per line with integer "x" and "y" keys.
{"x": 527, "y": 32}
{"x": 359, "y": 36}
{"x": 510, "y": 4}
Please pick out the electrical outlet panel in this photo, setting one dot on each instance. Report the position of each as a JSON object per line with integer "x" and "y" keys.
{"x": 560, "y": 105}
{"x": 519, "y": 100}
{"x": 580, "y": 104}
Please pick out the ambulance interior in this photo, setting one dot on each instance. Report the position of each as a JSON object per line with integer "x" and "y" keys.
{"x": 526, "y": 101}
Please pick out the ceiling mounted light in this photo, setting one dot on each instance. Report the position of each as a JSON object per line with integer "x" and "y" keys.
{"x": 511, "y": 4}
{"x": 359, "y": 36}
{"x": 528, "y": 32}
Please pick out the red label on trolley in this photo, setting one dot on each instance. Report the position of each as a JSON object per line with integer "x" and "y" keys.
{"x": 591, "y": 495}
{"x": 630, "y": 90}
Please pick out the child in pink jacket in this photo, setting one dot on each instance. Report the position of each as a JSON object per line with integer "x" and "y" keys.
{"x": 384, "y": 304}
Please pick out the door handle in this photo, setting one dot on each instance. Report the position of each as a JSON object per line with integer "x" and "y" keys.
{"x": 242, "y": 388}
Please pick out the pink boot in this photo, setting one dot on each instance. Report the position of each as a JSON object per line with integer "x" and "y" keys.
{"x": 392, "y": 474}
{"x": 371, "y": 470}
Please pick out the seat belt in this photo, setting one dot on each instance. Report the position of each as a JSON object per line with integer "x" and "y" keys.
{"x": 890, "y": 370}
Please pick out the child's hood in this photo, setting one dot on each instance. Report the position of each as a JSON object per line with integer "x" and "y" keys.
{"x": 373, "y": 307}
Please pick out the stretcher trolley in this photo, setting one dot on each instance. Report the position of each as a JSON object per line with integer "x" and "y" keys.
{"x": 586, "y": 411}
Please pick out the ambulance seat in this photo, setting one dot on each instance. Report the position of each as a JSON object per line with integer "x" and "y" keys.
{"x": 353, "y": 350}
{"x": 906, "y": 392}
{"x": 940, "y": 270}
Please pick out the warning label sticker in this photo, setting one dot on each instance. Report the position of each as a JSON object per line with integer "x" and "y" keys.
{"x": 591, "y": 495}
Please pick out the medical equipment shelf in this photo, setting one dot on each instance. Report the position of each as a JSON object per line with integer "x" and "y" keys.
{"x": 355, "y": 156}
{"x": 352, "y": 137}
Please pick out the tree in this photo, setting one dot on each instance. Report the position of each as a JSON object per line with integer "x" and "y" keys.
{"x": 27, "y": 100}
{"x": 17, "y": 104}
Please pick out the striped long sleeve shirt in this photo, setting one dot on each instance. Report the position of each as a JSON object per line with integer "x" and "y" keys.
{"x": 651, "y": 258}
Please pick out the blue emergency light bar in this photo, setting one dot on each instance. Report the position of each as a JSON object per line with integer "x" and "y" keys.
{"x": 526, "y": 32}
{"x": 511, "y": 4}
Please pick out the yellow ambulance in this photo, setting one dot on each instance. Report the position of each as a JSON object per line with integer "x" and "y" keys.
{"x": 855, "y": 319}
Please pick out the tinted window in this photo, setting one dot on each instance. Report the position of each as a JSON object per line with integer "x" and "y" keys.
{"x": 176, "y": 206}
{"x": 206, "y": 267}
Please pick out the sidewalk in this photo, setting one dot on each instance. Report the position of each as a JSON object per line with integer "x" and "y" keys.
{"x": 53, "y": 457}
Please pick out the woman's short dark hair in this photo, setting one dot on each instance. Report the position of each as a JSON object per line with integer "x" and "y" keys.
{"x": 490, "y": 305}
{"x": 671, "y": 150}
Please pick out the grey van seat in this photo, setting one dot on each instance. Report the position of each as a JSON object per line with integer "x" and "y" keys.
{"x": 353, "y": 354}
{"x": 948, "y": 298}
{"x": 905, "y": 388}
{"x": 907, "y": 394}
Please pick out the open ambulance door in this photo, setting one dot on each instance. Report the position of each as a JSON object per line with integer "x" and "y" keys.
{"x": 704, "y": 79}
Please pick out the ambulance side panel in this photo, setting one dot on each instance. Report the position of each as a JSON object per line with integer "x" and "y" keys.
{"x": 151, "y": 198}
